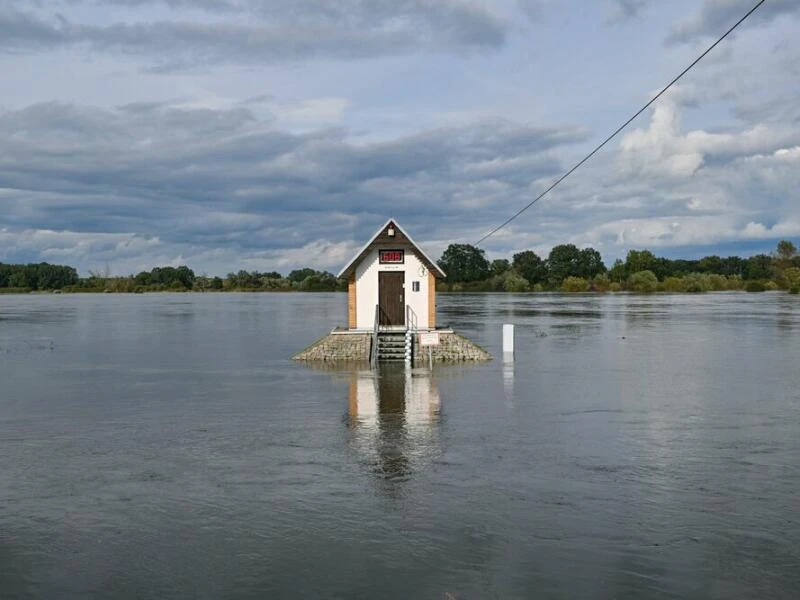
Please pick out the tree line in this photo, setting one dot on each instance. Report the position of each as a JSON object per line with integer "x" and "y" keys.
{"x": 39, "y": 276}
{"x": 566, "y": 268}
{"x": 571, "y": 269}
{"x": 44, "y": 277}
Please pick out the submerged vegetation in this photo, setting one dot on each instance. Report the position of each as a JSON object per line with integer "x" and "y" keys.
{"x": 567, "y": 269}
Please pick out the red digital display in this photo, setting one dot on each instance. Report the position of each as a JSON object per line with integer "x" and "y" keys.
{"x": 391, "y": 257}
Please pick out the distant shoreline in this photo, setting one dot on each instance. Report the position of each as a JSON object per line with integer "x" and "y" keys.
{"x": 566, "y": 269}
{"x": 83, "y": 292}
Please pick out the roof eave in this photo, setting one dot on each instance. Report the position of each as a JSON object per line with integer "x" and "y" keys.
{"x": 351, "y": 264}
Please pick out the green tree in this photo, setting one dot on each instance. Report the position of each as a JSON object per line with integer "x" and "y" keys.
{"x": 514, "y": 282}
{"x": 245, "y": 279}
{"x": 758, "y": 267}
{"x": 717, "y": 282}
{"x": 786, "y": 250}
{"x": 322, "y": 281}
{"x": 464, "y": 263}
{"x": 499, "y": 266}
{"x": 144, "y": 278}
{"x": 562, "y": 262}
{"x": 18, "y": 280}
{"x": 732, "y": 265}
{"x": 601, "y": 283}
{"x": 185, "y": 276}
{"x": 679, "y": 267}
{"x": 783, "y": 259}
{"x": 567, "y": 260}
{"x": 791, "y": 277}
{"x": 299, "y": 275}
{"x": 662, "y": 267}
{"x": 41, "y": 276}
{"x": 709, "y": 264}
{"x": 590, "y": 263}
{"x": 617, "y": 272}
{"x": 696, "y": 283}
{"x": 672, "y": 284}
{"x": 574, "y": 284}
{"x": 640, "y": 260}
{"x": 643, "y": 282}
{"x": 755, "y": 285}
{"x": 528, "y": 264}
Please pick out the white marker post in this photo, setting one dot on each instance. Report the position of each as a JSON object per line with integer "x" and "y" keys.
{"x": 508, "y": 341}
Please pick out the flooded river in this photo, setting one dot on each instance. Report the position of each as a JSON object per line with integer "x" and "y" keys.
{"x": 164, "y": 446}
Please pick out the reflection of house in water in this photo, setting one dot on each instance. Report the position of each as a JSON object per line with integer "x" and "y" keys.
{"x": 394, "y": 416}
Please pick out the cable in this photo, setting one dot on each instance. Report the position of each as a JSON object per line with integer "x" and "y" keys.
{"x": 620, "y": 128}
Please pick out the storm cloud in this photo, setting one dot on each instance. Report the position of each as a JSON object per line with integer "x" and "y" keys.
{"x": 251, "y": 32}
{"x": 229, "y": 179}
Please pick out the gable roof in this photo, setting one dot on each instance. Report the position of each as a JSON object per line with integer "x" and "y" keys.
{"x": 381, "y": 239}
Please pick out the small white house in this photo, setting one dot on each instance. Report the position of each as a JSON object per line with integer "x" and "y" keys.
{"x": 393, "y": 274}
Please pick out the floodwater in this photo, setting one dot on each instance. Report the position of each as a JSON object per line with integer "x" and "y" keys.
{"x": 164, "y": 446}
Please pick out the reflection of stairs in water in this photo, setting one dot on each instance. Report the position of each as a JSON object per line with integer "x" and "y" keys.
{"x": 391, "y": 345}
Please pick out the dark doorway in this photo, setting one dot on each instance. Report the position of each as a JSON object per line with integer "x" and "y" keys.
{"x": 392, "y": 297}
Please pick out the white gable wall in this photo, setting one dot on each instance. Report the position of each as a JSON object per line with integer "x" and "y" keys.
{"x": 367, "y": 287}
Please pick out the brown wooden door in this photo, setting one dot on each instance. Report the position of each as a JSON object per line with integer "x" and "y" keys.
{"x": 392, "y": 298}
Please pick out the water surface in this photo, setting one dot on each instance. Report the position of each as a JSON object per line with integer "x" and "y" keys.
{"x": 163, "y": 446}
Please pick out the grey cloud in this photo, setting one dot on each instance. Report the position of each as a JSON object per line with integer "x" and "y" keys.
{"x": 222, "y": 6}
{"x": 271, "y": 32}
{"x": 20, "y": 32}
{"x": 533, "y": 9}
{"x": 716, "y": 16}
{"x": 628, "y": 9}
{"x": 772, "y": 110}
{"x": 222, "y": 188}
{"x": 225, "y": 179}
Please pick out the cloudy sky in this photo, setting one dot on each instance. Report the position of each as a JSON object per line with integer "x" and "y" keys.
{"x": 274, "y": 134}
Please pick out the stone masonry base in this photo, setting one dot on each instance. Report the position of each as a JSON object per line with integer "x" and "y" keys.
{"x": 336, "y": 347}
{"x": 355, "y": 347}
{"x": 452, "y": 348}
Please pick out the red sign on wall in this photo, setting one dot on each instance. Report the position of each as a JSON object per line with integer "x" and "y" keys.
{"x": 390, "y": 257}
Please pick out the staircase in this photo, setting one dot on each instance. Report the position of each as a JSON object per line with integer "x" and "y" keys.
{"x": 391, "y": 345}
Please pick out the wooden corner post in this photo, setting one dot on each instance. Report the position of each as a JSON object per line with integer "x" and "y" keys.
{"x": 431, "y": 300}
{"x": 351, "y": 302}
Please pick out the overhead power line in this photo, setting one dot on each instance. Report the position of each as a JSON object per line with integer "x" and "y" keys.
{"x": 621, "y": 127}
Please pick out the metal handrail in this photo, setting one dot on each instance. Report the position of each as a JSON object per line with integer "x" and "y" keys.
{"x": 411, "y": 319}
{"x": 411, "y": 327}
{"x": 373, "y": 352}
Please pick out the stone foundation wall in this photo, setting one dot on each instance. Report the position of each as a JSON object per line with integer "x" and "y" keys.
{"x": 351, "y": 347}
{"x": 452, "y": 348}
{"x": 354, "y": 347}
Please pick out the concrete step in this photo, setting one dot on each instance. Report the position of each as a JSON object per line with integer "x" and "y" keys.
{"x": 391, "y": 346}
{"x": 390, "y": 349}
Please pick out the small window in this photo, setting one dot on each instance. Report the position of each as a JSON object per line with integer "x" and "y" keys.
{"x": 415, "y": 286}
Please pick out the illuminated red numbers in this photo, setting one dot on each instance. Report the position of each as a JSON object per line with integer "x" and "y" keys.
{"x": 391, "y": 257}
